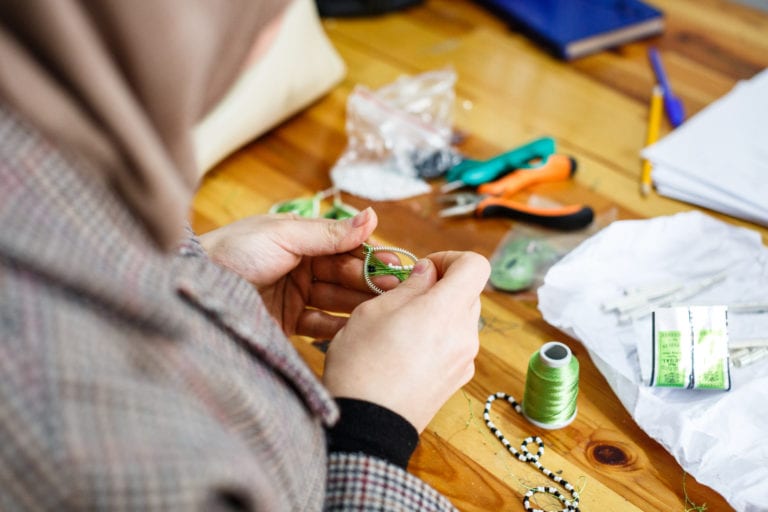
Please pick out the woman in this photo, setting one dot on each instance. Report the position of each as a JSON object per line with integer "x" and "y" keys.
{"x": 143, "y": 368}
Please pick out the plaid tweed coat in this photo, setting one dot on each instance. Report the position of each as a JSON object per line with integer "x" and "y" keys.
{"x": 135, "y": 380}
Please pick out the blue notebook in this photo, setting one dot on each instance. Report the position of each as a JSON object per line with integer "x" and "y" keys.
{"x": 574, "y": 28}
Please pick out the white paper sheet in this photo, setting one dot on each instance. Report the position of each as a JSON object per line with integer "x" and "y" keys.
{"x": 719, "y": 437}
{"x": 718, "y": 159}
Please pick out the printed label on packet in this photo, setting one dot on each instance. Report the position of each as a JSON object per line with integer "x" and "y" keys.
{"x": 710, "y": 347}
{"x": 672, "y": 345}
{"x": 690, "y": 348}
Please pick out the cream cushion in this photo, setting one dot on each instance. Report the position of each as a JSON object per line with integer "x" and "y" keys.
{"x": 298, "y": 67}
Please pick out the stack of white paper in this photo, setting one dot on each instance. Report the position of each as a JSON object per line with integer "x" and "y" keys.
{"x": 718, "y": 159}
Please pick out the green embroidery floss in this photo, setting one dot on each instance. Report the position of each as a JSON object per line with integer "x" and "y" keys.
{"x": 309, "y": 207}
{"x": 303, "y": 206}
{"x": 551, "y": 387}
{"x": 340, "y": 210}
{"x": 373, "y": 266}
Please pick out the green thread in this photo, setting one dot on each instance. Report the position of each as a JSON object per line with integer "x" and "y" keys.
{"x": 510, "y": 474}
{"x": 551, "y": 386}
{"x": 340, "y": 210}
{"x": 471, "y": 417}
{"x": 376, "y": 267}
{"x": 309, "y": 207}
{"x": 373, "y": 266}
{"x": 690, "y": 506}
{"x": 303, "y": 206}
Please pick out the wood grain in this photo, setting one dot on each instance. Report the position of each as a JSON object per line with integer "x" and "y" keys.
{"x": 509, "y": 92}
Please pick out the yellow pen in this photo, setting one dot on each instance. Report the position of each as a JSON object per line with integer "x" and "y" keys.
{"x": 654, "y": 124}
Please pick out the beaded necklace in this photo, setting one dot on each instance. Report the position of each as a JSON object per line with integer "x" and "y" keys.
{"x": 525, "y": 456}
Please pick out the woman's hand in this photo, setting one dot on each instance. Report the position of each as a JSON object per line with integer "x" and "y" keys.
{"x": 410, "y": 349}
{"x": 302, "y": 267}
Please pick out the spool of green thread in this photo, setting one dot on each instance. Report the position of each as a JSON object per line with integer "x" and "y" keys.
{"x": 551, "y": 386}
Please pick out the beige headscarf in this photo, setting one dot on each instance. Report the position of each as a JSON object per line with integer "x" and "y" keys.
{"x": 122, "y": 82}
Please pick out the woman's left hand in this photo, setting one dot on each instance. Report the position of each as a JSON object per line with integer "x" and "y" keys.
{"x": 303, "y": 268}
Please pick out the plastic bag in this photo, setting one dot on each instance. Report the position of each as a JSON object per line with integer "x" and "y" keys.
{"x": 398, "y": 135}
{"x": 526, "y": 253}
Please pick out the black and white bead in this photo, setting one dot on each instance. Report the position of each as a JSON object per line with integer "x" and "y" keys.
{"x": 525, "y": 456}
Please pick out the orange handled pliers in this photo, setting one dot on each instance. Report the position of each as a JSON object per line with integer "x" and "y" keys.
{"x": 494, "y": 199}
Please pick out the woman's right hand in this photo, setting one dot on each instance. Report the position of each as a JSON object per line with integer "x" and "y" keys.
{"x": 411, "y": 348}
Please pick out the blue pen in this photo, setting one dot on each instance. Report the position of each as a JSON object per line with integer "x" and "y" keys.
{"x": 672, "y": 104}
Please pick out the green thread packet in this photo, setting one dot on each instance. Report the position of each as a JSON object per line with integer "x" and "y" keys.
{"x": 690, "y": 348}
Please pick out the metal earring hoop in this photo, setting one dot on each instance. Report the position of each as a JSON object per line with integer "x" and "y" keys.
{"x": 373, "y": 266}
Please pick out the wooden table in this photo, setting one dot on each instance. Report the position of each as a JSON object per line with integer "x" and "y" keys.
{"x": 509, "y": 92}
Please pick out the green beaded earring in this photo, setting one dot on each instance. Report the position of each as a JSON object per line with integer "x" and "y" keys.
{"x": 373, "y": 266}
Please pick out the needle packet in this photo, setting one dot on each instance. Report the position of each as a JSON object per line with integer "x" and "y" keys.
{"x": 689, "y": 348}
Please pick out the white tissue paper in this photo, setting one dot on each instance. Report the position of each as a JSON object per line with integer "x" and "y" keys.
{"x": 720, "y": 437}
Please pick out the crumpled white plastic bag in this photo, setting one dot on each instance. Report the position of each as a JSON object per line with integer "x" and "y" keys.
{"x": 720, "y": 437}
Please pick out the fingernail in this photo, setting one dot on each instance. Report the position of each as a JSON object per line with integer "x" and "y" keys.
{"x": 361, "y": 218}
{"x": 420, "y": 267}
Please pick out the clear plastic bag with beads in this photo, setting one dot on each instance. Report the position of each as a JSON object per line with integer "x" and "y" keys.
{"x": 398, "y": 136}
